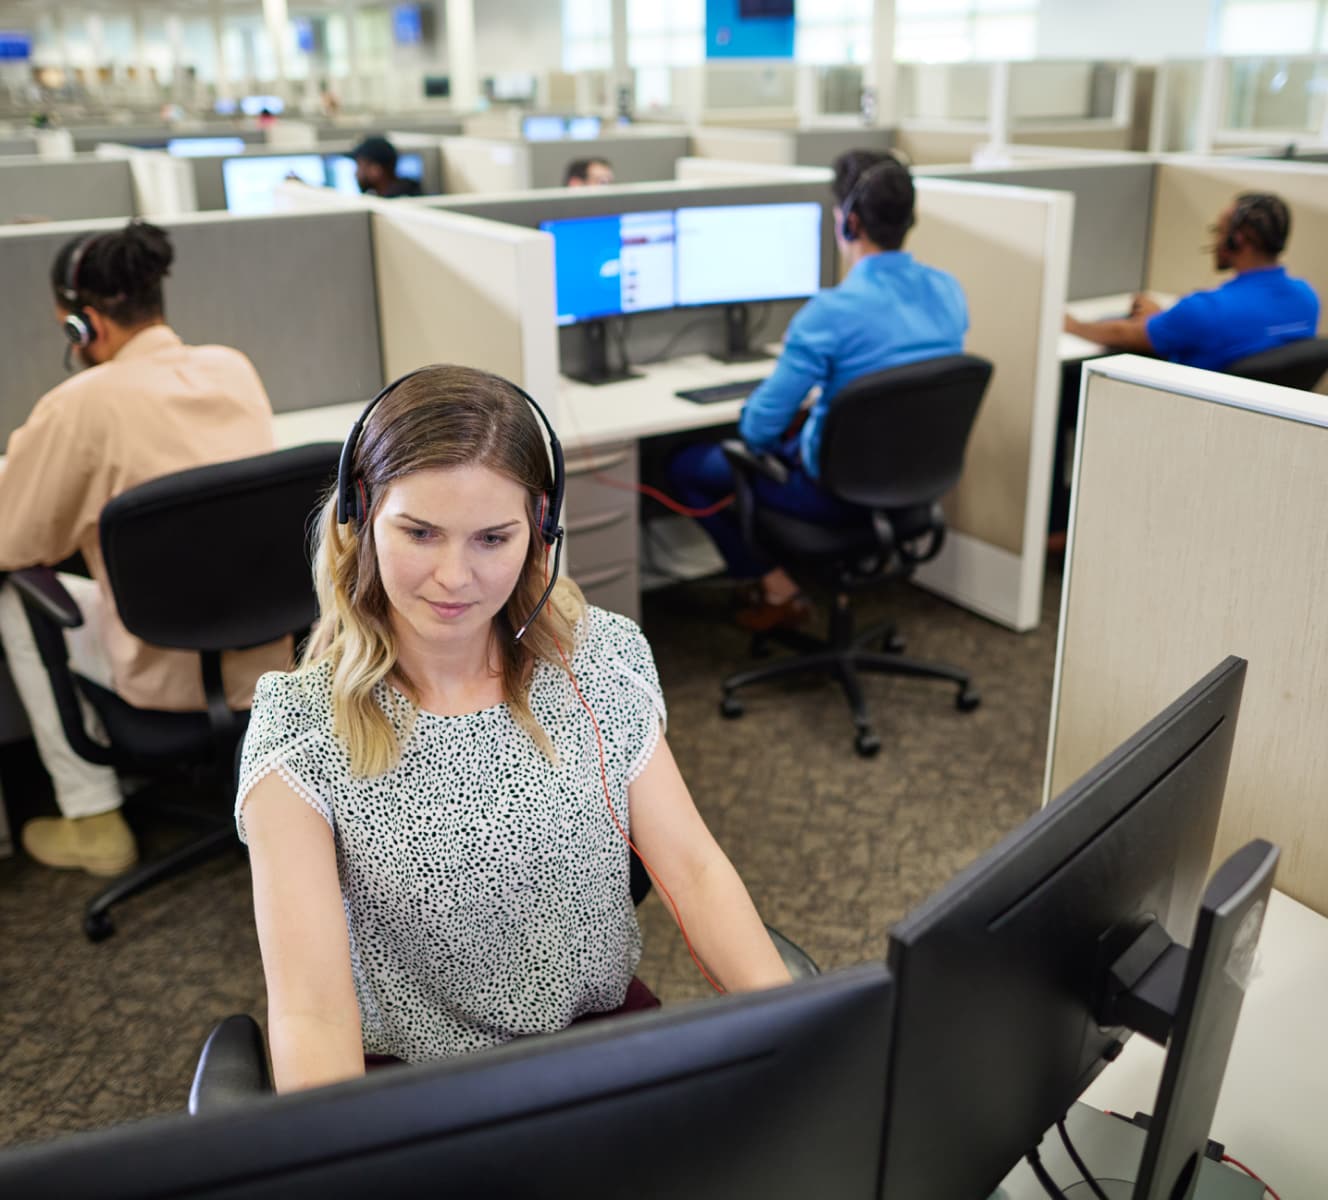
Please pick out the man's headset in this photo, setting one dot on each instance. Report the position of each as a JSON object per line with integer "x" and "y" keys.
{"x": 77, "y": 326}
{"x": 1259, "y": 212}
{"x": 849, "y": 206}
{"x": 353, "y": 502}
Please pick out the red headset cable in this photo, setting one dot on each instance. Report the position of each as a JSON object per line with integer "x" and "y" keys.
{"x": 1235, "y": 1162}
{"x": 608, "y": 796}
{"x": 655, "y": 494}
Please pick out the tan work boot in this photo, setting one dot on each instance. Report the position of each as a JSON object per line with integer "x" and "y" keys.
{"x": 100, "y": 845}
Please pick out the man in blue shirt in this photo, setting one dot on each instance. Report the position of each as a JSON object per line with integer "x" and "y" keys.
{"x": 1260, "y": 309}
{"x": 888, "y": 310}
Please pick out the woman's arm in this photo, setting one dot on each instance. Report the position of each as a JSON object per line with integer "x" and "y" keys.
{"x": 313, "y": 1016}
{"x": 721, "y": 920}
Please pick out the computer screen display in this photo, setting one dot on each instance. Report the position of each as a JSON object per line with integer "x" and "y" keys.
{"x": 735, "y": 253}
{"x": 1002, "y": 977}
{"x": 15, "y": 45}
{"x": 407, "y": 25}
{"x": 541, "y": 127}
{"x": 510, "y": 85}
{"x": 583, "y": 128}
{"x": 226, "y": 107}
{"x": 410, "y": 166}
{"x": 607, "y": 266}
{"x": 775, "y": 1094}
{"x": 253, "y": 106}
{"x": 250, "y": 182}
{"x": 202, "y": 147}
{"x": 340, "y": 169}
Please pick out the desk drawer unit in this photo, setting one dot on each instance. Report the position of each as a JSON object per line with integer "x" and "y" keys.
{"x": 601, "y": 524}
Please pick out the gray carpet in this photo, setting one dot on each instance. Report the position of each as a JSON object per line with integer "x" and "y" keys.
{"x": 834, "y": 848}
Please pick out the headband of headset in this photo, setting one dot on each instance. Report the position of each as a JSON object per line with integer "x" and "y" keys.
{"x": 352, "y": 502}
{"x": 78, "y": 329}
{"x": 849, "y": 206}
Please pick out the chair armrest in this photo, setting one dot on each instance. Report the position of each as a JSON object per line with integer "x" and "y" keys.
{"x": 42, "y": 588}
{"x": 744, "y": 459}
{"x": 232, "y": 1070}
{"x": 799, "y": 963}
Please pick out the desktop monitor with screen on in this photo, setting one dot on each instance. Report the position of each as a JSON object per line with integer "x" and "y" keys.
{"x": 254, "y": 106}
{"x": 201, "y": 147}
{"x": 772, "y": 1094}
{"x": 341, "y": 171}
{"x": 543, "y": 127}
{"x": 249, "y": 182}
{"x": 1006, "y": 1008}
{"x": 583, "y": 128}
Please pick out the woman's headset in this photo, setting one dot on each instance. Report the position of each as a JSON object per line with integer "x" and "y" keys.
{"x": 78, "y": 328}
{"x": 353, "y": 502}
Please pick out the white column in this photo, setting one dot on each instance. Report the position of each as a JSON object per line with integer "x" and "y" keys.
{"x": 144, "y": 85}
{"x": 620, "y": 72}
{"x": 277, "y": 18}
{"x": 880, "y": 72}
{"x": 354, "y": 86}
{"x": 1210, "y": 105}
{"x": 998, "y": 108}
{"x": 461, "y": 65}
{"x": 175, "y": 36}
{"x": 223, "y": 87}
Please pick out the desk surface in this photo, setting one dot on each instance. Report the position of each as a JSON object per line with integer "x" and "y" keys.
{"x": 1099, "y": 308}
{"x": 1272, "y": 1113}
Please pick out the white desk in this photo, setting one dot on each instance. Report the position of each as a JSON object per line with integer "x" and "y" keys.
{"x": 1272, "y": 1113}
{"x": 1099, "y": 308}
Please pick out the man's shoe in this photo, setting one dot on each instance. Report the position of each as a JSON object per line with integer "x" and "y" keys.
{"x": 100, "y": 845}
{"x": 763, "y": 617}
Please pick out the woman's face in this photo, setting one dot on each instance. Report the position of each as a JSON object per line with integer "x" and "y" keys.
{"x": 451, "y": 544}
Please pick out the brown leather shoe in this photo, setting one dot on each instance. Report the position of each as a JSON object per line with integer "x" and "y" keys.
{"x": 99, "y": 845}
{"x": 763, "y": 617}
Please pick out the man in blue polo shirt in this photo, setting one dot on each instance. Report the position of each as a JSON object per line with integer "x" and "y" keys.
{"x": 1260, "y": 309}
{"x": 889, "y": 310}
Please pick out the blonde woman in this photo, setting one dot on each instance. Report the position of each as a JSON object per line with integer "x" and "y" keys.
{"x": 435, "y": 865}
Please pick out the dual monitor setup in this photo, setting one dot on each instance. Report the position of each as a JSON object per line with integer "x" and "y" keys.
{"x": 550, "y": 127}
{"x": 250, "y": 180}
{"x": 729, "y": 254}
{"x": 932, "y": 1074}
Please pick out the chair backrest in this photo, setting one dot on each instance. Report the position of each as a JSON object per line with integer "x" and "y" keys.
{"x": 216, "y": 557}
{"x": 1296, "y": 365}
{"x": 896, "y": 438}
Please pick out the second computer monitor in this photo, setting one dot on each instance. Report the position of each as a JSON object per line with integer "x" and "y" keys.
{"x": 607, "y": 266}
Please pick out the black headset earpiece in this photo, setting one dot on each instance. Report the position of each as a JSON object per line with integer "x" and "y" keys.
{"x": 353, "y": 502}
{"x": 78, "y": 327}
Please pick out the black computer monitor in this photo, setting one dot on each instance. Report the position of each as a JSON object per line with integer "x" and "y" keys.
{"x": 1004, "y": 1006}
{"x": 249, "y": 182}
{"x": 772, "y": 1094}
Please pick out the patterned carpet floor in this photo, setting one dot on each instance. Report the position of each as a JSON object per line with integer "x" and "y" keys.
{"x": 833, "y": 847}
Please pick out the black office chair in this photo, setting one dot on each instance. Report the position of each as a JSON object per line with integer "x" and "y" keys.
{"x": 1296, "y": 365}
{"x": 210, "y": 559}
{"x": 893, "y": 443}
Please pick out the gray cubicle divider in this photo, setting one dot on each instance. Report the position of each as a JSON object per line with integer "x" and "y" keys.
{"x": 73, "y": 189}
{"x": 1113, "y": 215}
{"x": 636, "y": 159}
{"x": 652, "y": 330}
{"x": 155, "y": 137}
{"x": 11, "y": 147}
{"x": 295, "y": 292}
{"x": 820, "y": 147}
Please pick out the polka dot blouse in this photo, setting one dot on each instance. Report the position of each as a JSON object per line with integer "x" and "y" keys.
{"x": 485, "y": 888}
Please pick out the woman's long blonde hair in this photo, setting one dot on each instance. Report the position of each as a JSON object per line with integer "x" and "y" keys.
{"x": 441, "y": 417}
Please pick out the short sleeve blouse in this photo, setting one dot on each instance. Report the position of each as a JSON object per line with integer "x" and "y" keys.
{"x": 485, "y": 888}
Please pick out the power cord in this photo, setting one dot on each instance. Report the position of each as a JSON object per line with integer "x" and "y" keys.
{"x": 1078, "y": 1161}
{"x": 1047, "y": 1182}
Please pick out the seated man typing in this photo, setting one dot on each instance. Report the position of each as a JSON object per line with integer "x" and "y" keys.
{"x": 888, "y": 310}
{"x": 1260, "y": 309}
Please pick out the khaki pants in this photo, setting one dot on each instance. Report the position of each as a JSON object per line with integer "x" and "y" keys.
{"x": 82, "y": 789}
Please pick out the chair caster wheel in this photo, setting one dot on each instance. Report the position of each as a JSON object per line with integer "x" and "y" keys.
{"x": 866, "y": 743}
{"x": 967, "y": 700}
{"x": 894, "y": 644}
{"x": 731, "y": 707}
{"x": 98, "y": 926}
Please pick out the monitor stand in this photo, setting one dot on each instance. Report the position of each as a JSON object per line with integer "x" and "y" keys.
{"x": 597, "y": 369}
{"x": 738, "y": 326}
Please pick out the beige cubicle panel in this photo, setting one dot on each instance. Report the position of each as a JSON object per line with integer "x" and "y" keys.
{"x": 461, "y": 289}
{"x": 1009, "y": 247}
{"x": 1190, "y": 192}
{"x": 772, "y": 146}
{"x": 480, "y": 164}
{"x": 1198, "y": 531}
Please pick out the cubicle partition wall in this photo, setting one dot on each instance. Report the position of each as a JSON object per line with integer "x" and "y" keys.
{"x": 638, "y": 158}
{"x": 723, "y": 170}
{"x": 1010, "y": 249}
{"x": 295, "y": 293}
{"x": 820, "y": 147}
{"x": 1113, "y": 205}
{"x": 17, "y": 147}
{"x": 772, "y": 146}
{"x": 154, "y": 137}
{"x": 74, "y": 189}
{"x": 484, "y": 165}
{"x": 1190, "y": 192}
{"x": 1197, "y": 531}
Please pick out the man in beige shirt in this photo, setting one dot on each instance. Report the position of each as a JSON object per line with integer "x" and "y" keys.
{"x": 147, "y": 405}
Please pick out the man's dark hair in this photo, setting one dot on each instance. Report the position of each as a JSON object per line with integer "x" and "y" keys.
{"x": 882, "y": 202}
{"x": 379, "y": 151}
{"x": 579, "y": 168}
{"x": 849, "y": 166}
{"x": 1264, "y": 219}
{"x": 119, "y": 273}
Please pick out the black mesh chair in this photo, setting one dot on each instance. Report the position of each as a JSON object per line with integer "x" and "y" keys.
{"x": 893, "y": 443}
{"x": 209, "y": 560}
{"x": 1296, "y": 365}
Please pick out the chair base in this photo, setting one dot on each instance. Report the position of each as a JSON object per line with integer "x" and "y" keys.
{"x": 845, "y": 656}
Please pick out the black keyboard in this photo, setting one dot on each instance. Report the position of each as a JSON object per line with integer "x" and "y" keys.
{"x": 736, "y": 390}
